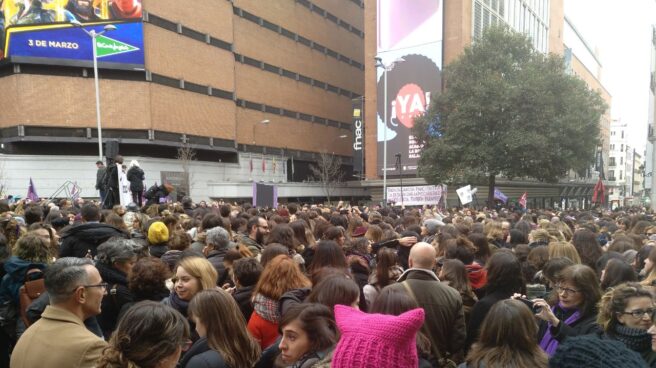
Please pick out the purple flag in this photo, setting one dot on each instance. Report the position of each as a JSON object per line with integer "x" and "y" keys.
{"x": 31, "y": 192}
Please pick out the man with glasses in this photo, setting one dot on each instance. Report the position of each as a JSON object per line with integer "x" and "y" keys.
{"x": 59, "y": 338}
{"x": 258, "y": 229}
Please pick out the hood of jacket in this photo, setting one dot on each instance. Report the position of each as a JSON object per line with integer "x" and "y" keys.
{"x": 477, "y": 275}
{"x": 16, "y": 267}
{"x": 93, "y": 231}
{"x": 111, "y": 275}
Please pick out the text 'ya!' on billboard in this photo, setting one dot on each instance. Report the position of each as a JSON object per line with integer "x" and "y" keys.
{"x": 43, "y": 32}
{"x": 409, "y": 43}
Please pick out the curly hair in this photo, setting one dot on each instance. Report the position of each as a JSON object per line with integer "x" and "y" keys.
{"x": 148, "y": 333}
{"x": 32, "y": 248}
{"x": 148, "y": 277}
{"x": 615, "y": 300}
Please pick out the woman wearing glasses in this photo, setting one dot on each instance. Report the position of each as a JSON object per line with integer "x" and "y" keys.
{"x": 625, "y": 314}
{"x": 575, "y": 310}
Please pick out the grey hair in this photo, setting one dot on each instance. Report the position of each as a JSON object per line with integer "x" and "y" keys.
{"x": 217, "y": 237}
{"x": 116, "y": 249}
{"x": 62, "y": 277}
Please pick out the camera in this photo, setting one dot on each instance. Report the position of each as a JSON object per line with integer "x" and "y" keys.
{"x": 529, "y": 303}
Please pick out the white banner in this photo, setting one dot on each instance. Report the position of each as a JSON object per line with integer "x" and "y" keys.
{"x": 414, "y": 196}
{"x": 124, "y": 188}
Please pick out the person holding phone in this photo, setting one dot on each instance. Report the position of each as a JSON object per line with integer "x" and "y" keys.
{"x": 575, "y": 312}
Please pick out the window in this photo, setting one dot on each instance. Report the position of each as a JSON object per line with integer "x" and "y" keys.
{"x": 622, "y": 134}
{"x": 622, "y": 147}
{"x": 621, "y": 172}
{"x": 611, "y": 162}
{"x": 621, "y": 160}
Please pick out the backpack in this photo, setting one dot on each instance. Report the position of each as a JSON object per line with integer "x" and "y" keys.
{"x": 34, "y": 286}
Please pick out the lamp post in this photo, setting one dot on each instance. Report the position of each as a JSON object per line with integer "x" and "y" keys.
{"x": 386, "y": 68}
{"x": 94, "y": 35}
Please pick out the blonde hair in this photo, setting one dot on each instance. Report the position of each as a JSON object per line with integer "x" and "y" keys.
{"x": 560, "y": 249}
{"x": 201, "y": 269}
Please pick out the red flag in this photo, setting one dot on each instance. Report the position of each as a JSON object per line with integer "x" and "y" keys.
{"x": 599, "y": 194}
{"x": 522, "y": 199}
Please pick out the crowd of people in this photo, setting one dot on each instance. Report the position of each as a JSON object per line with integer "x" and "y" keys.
{"x": 230, "y": 285}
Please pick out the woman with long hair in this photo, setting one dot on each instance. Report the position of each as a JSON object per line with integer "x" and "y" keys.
{"x": 575, "y": 311}
{"x": 216, "y": 313}
{"x": 309, "y": 334}
{"x": 504, "y": 278}
{"x": 279, "y": 276}
{"x": 150, "y": 335}
{"x": 560, "y": 249}
{"x": 588, "y": 247}
{"x": 454, "y": 273}
{"x": 616, "y": 272}
{"x": 507, "y": 339}
{"x": 327, "y": 254}
{"x": 387, "y": 271}
{"x": 625, "y": 314}
{"x": 649, "y": 271}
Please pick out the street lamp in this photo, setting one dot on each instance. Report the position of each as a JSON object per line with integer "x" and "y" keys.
{"x": 94, "y": 35}
{"x": 386, "y": 68}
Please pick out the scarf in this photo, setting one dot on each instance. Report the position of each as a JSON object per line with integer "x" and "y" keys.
{"x": 548, "y": 343}
{"x": 267, "y": 308}
{"x": 634, "y": 338}
{"x": 178, "y": 304}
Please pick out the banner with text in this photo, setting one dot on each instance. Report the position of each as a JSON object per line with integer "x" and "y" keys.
{"x": 409, "y": 44}
{"x": 415, "y": 195}
{"x": 358, "y": 137}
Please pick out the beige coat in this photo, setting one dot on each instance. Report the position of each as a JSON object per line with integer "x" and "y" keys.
{"x": 58, "y": 339}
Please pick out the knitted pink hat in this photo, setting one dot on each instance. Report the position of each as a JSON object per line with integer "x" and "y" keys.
{"x": 376, "y": 340}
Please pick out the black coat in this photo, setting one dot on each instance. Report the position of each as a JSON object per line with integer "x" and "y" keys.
{"x": 243, "y": 297}
{"x": 478, "y": 313}
{"x": 136, "y": 177}
{"x": 216, "y": 259}
{"x": 111, "y": 177}
{"x": 117, "y": 296}
{"x": 78, "y": 239}
{"x": 201, "y": 356}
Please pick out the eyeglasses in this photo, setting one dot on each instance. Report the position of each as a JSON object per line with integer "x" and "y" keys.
{"x": 564, "y": 290}
{"x": 102, "y": 285}
{"x": 640, "y": 313}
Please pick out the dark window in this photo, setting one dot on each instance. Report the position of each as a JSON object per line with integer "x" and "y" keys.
{"x": 288, "y": 34}
{"x": 332, "y": 88}
{"x": 220, "y": 44}
{"x": 166, "y": 81}
{"x": 305, "y": 3}
{"x": 271, "y": 26}
{"x": 193, "y": 34}
{"x": 319, "y": 84}
{"x": 331, "y": 18}
{"x": 304, "y": 41}
{"x": 305, "y": 117}
{"x": 252, "y": 17}
{"x": 271, "y": 68}
{"x": 252, "y": 62}
{"x": 290, "y": 114}
{"x": 252, "y": 105}
{"x": 288, "y": 74}
{"x": 304, "y": 79}
{"x": 332, "y": 53}
{"x": 162, "y": 23}
{"x": 193, "y": 87}
{"x": 319, "y": 120}
{"x": 319, "y": 48}
{"x": 222, "y": 94}
{"x": 272, "y": 109}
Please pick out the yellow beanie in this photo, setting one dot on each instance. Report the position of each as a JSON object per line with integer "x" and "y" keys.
{"x": 158, "y": 233}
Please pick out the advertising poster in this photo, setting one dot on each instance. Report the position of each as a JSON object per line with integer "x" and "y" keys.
{"x": 410, "y": 41}
{"x": 42, "y": 32}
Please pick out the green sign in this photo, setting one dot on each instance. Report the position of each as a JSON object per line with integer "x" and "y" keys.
{"x": 106, "y": 46}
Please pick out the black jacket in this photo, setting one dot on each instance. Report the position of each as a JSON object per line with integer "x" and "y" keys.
{"x": 478, "y": 313}
{"x": 215, "y": 257}
{"x": 585, "y": 325}
{"x": 117, "y": 296}
{"x": 201, "y": 356}
{"x": 243, "y": 297}
{"x": 111, "y": 177}
{"x": 100, "y": 178}
{"x": 78, "y": 239}
{"x": 136, "y": 177}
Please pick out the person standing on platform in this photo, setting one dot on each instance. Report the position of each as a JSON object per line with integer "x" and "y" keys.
{"x": 112, "y": 184}
{"x": 100, "y": 180}
{"x": 136, "y": 178}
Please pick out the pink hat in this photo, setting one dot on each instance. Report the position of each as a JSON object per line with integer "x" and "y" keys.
{"x": 376, "y": 340}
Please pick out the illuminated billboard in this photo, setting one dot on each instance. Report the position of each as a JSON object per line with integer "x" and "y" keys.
{"x": 409, "y": 42}
{"x": 41, "y": 32}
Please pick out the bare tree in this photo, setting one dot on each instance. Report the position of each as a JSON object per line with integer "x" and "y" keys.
{"x": 328, "y": 171}
{"x": 185, "y": 155}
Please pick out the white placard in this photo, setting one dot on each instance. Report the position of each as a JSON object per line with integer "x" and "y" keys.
{"x": 465, "y": 194}
{"x": 124, "y": 187}
{"x": 415, "y": 195}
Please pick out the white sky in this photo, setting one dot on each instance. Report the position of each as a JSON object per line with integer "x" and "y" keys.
{"x": 621, "y": 31}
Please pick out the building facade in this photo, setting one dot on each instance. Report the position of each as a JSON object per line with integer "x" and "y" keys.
{"x": 248, "y": 85}
{"x": 463, "y": 21}
{"x": 650, "y": 155}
